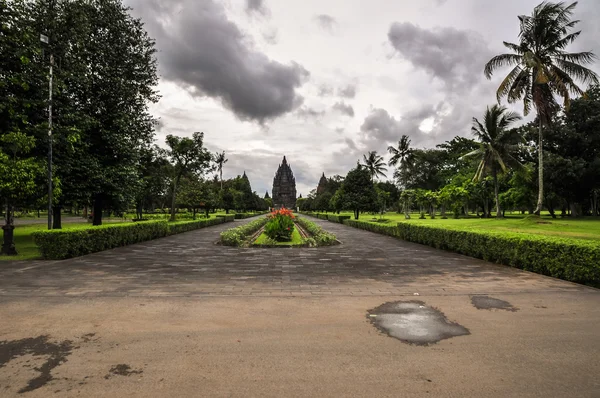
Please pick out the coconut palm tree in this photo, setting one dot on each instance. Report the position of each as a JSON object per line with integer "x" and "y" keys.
{"x": 403, "y": 154}
{"x": 220, "y": 160}
{"x": 375, "y": 164}
{"x": 543, "y": 69}
{"x": 496, "y": 144}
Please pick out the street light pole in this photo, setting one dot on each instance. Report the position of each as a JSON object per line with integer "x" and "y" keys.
{"x": 44, "y": 39}
{"x": 50, "y": 144}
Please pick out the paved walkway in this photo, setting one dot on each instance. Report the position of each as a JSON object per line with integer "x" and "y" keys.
{"x": 192, "y": 264}
{"x": 183, "y": 317}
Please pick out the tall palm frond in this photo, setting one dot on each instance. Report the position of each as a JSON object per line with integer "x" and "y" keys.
{"x": 375, "y": 164}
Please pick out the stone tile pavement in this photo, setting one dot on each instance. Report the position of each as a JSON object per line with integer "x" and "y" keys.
{"x": 192, "y": 264}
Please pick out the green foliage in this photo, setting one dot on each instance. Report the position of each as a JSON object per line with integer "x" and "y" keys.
{"x": 68, "y": 243}
{"x": 358, "y": 191}
{"x": 178, "y": 227}
{"x": 61, "y": 244}
{"x": 337, "y": 218}
{"x": 572, "y": 260}
{"x": 319, "y": 235}
{"x": 227, "y": 217}
{"x": 280, "y": 226}
{"x": 237, "y": 236}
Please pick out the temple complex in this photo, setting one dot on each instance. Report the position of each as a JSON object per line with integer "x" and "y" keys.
{"x": 284, "y": 187}
{"x": 322, "y": 184}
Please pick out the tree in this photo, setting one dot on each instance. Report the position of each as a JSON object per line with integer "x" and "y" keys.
{"x": 403, "y": 154}
{"x": 188, "y": 157}
{"x": 496, "y": 144}
{"x": 18, "y": 175}
{"x": 358, "y": 190}
{"x": 220, "y": 160}
{"x": 374, "y": 164}
{"x": 543, "y": 69}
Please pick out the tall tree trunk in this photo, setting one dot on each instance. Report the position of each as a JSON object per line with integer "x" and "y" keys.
{"x": 98, "y": 206}
{"x": 221, "y": 174}
{"x": 57, "y": 219}
{"x": 174, "y": 195}
{"x": 496, "y": 195}
{"x": 8, "y": 244}
{"x": 139, "y": 210}
{"x": 540, "y": 201}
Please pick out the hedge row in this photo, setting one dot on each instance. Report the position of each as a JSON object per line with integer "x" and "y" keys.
{"x": 227, "y": 217}
{"x": 575, "y": 261}
{"x": 61, "y": 244}
{"x": 320, "y": 236}
{"x": 237, "y": 236}
{"x": 337, "y": 218}
{"x": 241, "y": 216}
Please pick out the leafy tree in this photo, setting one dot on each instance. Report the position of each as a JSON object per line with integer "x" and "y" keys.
{"x": 358, "y": 190}
{"x": 188, "y": 157}
{"x": 543, "y": 69}
{"x": 336, "y": 203}
{"x": 374, "y": 164}
{"x": 18, "y": 175}
{"x": 497, "y": 143}
{"x": 228, "y": 198}
{"x": 406, "y": 198}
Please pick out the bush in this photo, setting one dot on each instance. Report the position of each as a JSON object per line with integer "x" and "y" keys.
{"x": 280, "y": 225}
{"x": 575, "y": 261}
{"x": 237, "y": 236}
{"x": 320, "y": 236}
{"x": 185, "y": 226}
{"x": 337, "y": 218}
{"x": 61, "y": 244}
{"x": 322, "y": 216}
{"x": 227, "y": 217}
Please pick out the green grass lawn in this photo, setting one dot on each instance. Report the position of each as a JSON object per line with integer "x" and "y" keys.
{"x": 585, "y": 228}
{"x": 296, "y": 239}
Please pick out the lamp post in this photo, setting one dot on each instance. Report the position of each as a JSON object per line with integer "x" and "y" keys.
{"x": 44, "y": 39}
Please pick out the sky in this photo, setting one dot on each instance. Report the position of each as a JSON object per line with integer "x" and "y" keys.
{"x": 325, "y": 81}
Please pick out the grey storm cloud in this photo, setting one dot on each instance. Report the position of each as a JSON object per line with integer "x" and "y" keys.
{"x": 344, "y": 108}
{"x": 257, "y": 6}
{"x": 326, "y": 22}
{"x": 205, "y": 52}
{"x": 348, "y": 91}
{"x": 306, "y": 112}
{"x": 454, "y": 56}
{"x": 325, "y": 90}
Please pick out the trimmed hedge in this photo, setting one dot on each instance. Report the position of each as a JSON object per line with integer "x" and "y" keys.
{"x": 337, "y": 218}
{"x": 186, "y": 226}
{"x": 61, "y": 244}
{"x": 575, "y": 261}
{"x": 227, "y": 217}
{"x": 237, "y": 236}
{"x": 322, "y": 216}
{"x": 321, "y": 237}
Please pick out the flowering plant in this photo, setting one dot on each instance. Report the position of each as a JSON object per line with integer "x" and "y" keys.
{"x": 280, "y": 225}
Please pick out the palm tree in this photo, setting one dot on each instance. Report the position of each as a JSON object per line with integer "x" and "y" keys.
{"x": 220, "y": 160}
{"x": 496, "y": 145}
{"x": 543, "y": 69}
{"x": 375, "y": 164}
{"x": 403, "y": 155}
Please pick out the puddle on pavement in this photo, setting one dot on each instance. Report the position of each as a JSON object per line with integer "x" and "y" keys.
{"x": 55, "y": 353}
{"x": 413, "y": 322}
{"x": 490, "y": 303}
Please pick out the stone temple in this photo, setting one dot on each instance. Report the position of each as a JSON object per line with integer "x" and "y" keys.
{"x": 284, "y": 187}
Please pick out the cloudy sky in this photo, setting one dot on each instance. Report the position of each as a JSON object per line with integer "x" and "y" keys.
{"x": 323, "y": 82}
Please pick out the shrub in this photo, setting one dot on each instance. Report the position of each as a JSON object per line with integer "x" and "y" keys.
{"x": 237, "y": 236}
{"x": 61, "y": 244}
{"x": 227, "y": 217}
{"x": 185, "y": 226}
{"x": 575, "y": 261}
{"x": 322, "y": 216}
{"x": 320, "y": 236}
{"x": 337, "y": 218}
{"x": 280, "y": 225}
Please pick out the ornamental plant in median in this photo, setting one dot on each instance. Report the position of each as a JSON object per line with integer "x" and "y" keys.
{"x": 280, "y": 225}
